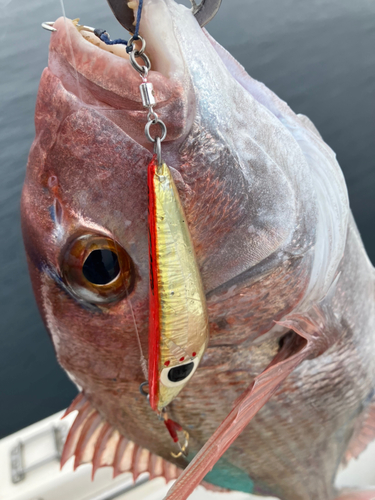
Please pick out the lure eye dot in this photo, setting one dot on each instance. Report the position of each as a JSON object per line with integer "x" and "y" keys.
{"x": 180, "y": 374}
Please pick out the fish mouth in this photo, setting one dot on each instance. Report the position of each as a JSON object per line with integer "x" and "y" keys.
{"x": 102, "y": 76}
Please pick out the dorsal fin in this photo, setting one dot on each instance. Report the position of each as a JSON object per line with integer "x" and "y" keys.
{"x": 93, "y": 440}
{"x": 363, "y": 434}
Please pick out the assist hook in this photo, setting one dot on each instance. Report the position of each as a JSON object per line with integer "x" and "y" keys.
{"x": 203, "y": 12}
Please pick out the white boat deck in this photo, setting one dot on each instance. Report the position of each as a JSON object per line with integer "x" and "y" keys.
{"x": 29, "y": 470}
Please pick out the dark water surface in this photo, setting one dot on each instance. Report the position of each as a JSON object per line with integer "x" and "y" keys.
{"x": 318, "y": 55}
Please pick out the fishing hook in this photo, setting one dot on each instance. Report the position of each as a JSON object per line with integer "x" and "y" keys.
{"x": 203, "y": 12}
{"x": 183, "y": 449}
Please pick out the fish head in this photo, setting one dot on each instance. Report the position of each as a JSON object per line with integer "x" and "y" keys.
{"x": 244, "y": 181}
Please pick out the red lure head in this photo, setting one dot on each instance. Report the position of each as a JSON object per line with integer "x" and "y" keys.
{"x": 154, "y": 317}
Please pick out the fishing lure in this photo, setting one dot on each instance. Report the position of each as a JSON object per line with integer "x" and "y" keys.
{"x": 178, "y": 319}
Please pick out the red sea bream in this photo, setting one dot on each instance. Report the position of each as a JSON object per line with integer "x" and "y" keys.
{"x": 288, "y": 376}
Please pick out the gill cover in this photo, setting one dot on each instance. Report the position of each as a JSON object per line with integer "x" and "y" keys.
{"x": 178, "y": 331}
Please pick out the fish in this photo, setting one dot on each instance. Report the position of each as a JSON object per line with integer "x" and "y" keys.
{"x": 284, "y": 394}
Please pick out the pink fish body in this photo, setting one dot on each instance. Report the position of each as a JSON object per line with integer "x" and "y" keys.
{"x": 289, "y": 373}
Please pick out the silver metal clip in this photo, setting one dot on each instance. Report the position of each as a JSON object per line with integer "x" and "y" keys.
{"x": 48, "y": 25}
{"x": 147, "y": 94}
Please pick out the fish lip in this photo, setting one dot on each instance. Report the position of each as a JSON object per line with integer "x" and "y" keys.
{"x": 108, "y": 83}
{"x": 85, "y": 59}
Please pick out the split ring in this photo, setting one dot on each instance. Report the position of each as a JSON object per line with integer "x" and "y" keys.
{"x": 141, "y": 389}
{"x": 142, "y": 70}
{"x": 142, "y": 49}
{"x": 163, "y": 130}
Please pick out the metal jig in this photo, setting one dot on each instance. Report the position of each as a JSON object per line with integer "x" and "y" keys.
{"x": 149, "y": 101}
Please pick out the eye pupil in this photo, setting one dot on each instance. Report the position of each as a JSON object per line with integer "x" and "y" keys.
{"x": 178, "y": 373}
{"x": 101, "y": 267}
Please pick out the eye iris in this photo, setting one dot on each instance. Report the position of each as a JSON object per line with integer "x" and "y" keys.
{"x": 101, "y": 267}
{"x": 178, "y": 373}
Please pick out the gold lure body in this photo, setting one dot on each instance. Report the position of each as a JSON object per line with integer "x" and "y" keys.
{"x": 179, "y": 331}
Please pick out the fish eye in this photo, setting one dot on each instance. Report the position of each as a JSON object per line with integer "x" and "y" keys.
{"x": 101, "y": 267}
{"x": 97, "y": 269}
{"x": 178, "y": 374}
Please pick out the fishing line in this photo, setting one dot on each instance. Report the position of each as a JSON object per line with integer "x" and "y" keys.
{"x": 139, "y": 13}
{"x": 143, "y": 361}
{"x": 104, "y": 36}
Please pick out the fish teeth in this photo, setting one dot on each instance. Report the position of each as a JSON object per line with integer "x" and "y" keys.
{"x": 133, "y": 4}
